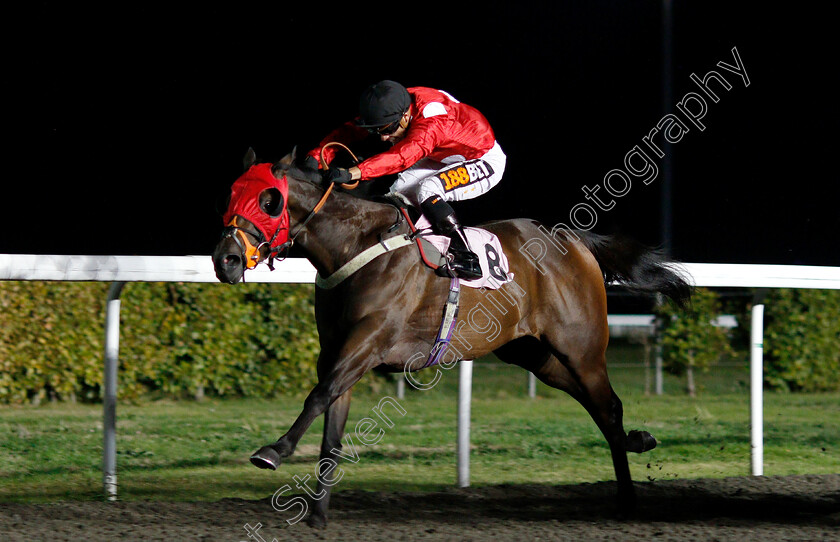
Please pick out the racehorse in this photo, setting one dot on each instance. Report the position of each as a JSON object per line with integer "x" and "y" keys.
{"x": 553, "y": 322}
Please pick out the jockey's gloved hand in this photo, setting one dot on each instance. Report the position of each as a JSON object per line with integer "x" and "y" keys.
{"x": 338, "y": 175}
{"x": 310, "y": 162}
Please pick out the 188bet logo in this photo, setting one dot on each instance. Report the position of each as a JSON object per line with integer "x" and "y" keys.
{"x": 464, "y": 174}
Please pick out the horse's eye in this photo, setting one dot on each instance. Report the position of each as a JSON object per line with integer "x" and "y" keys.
{"x": 271, "y": 202}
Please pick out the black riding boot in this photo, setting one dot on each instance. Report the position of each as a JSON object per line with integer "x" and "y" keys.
{"x": 463, "y": 262}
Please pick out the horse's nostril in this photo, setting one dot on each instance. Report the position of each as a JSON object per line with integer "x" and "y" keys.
{"x": 231, "y": 260}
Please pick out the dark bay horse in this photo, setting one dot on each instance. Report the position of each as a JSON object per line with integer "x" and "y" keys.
{"x": 552, "y": 322}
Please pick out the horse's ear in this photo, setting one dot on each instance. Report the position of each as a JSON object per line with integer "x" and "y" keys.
{"x": 287, "y": 161}
{"x": 250, "y": 159}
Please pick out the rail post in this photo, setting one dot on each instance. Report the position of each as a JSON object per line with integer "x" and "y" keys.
{"x": 464, "y": 400}
{"x": 109, "y": 427}
{"x": 756, "y": 391}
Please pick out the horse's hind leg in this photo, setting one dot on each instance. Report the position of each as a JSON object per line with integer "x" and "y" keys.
{"x": 594, "y": 392}
{"x": 586, "y": 380}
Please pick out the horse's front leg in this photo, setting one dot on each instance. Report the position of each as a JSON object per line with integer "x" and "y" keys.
{"x": 336, "y": 375}
{"x": 270, "y": 456}
{"x": 334, "y": 422}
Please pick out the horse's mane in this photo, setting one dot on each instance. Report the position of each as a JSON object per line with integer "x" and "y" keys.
{"x": 302, "y": 172}
{"x": 305, "y": 173}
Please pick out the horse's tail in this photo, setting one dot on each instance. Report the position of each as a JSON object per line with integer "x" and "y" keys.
{"x": 636, "y": 266}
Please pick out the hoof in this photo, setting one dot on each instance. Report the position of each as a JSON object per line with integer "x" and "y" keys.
{"x": 317, "y": 521}
{"x": 266, "y": 458}
{"x": 625, "y": 501}
{"x": 640, "y": 441}
{"x": 626, "y": 508}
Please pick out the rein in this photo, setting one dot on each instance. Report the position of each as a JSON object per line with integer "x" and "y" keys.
{"x": 348, "y": 186}
{"x": 323, "y": 200}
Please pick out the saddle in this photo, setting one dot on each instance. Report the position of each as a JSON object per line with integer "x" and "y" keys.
{"x": 433, "y": 248}
{"x": 430, "y": 254}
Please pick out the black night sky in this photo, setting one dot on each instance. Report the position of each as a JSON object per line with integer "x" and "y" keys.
{"x": 128, "y": 124}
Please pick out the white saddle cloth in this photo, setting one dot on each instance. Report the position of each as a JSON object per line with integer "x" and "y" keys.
{"x": 494, "y": 264}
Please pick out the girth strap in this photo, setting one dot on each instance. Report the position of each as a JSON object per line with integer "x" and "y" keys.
{"x": 364, "y": 257}
{"x": 447, "y": 325}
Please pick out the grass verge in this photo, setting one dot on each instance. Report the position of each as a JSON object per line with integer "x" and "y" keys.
{"x": 184, "y": 450}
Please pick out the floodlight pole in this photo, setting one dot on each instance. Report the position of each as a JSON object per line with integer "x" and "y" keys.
{"x": 666, "y": 216}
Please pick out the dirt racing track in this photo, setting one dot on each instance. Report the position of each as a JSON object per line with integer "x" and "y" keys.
{"x": 798, "y": 508}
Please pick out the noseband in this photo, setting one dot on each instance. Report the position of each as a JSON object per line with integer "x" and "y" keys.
{"x": 251, "y": 252}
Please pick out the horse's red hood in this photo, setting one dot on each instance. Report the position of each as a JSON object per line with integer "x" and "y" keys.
{"x": 245, "y": 202}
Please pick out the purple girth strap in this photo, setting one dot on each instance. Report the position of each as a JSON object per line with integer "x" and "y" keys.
{"x": 447, "y": 325}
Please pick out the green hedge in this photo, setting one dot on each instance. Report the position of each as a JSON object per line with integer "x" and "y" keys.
{"x": 178, "y": 339}
{"x": 190, "y": 340}
{"x": 689, "y": 340}
{"x": 802, "y": 340}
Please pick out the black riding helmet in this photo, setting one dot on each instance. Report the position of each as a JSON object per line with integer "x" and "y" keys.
{"x": 382, "y": 103}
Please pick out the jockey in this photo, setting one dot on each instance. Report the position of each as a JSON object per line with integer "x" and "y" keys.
{"x": 441, "y": 149}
